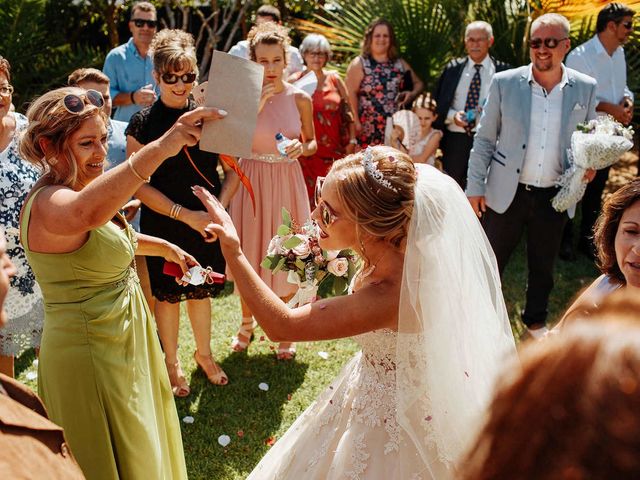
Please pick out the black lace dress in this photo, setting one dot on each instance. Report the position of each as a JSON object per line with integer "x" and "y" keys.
{"x": 174, "y": 179}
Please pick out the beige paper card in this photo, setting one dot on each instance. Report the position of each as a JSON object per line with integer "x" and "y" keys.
{"x": 234, "y": 85}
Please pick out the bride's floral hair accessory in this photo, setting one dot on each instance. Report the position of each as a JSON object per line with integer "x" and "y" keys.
{"x": 371, "y": 169}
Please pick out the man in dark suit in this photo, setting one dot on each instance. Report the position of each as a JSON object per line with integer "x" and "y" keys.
{"x": 460, "y": 94}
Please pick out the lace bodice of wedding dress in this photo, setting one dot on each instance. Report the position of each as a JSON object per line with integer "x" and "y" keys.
{"x": 351, "y": 430}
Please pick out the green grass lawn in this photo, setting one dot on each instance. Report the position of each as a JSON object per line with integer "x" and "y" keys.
{"x": 250, "y": 416}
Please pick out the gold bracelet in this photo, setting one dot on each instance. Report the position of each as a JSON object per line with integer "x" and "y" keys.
{"x": 135, "y": 172}
{"x": 176, "y": 208}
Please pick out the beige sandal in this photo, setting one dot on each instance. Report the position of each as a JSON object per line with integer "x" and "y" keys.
{"x": 179, "y": 385}
{"x": 244, "y": 336}
{"x": 211, "y": 369}
{"x": 286, "y": 351}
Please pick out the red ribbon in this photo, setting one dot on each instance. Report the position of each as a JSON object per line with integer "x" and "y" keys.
{"x": 231, "y": 162}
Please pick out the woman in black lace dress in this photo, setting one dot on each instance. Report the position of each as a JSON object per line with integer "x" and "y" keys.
{"x": 170, "y": 210}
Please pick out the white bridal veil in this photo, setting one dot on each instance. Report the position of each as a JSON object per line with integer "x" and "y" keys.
{"x": 453, "y": 330}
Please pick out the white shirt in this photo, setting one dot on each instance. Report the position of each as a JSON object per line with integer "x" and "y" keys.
{"x": 610, "y": 71}
{"x": 294, "y": 64}
{"x": 487, "y": 72}
{"x": 543, "y": 158}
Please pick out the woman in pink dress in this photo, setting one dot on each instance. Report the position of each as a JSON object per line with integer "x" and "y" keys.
{"x": 277, "y": 180}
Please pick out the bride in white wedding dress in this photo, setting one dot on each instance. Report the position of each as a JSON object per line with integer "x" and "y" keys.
{"x": 427, "y": 310}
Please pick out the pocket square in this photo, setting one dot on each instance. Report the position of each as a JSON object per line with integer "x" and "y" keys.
{"x": 578, "y": 106}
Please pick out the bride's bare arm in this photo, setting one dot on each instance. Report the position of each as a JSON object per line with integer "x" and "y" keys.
{"x": 374, "y": 306}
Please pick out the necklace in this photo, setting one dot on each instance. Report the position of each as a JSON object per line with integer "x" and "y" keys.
{"x": 371, "y": 268}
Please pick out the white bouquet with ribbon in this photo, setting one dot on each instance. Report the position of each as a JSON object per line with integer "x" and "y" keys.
{"x": 295, "y": 249}
{"x": 594, "y": 145}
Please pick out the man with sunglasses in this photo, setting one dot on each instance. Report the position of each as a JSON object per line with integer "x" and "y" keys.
{"x": 130, "y": 68}
{"x": 520, "y": 151}
{"x": 602, "y": 57}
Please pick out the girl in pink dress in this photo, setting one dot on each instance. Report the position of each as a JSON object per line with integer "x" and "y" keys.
{"x": 277, "y": 180}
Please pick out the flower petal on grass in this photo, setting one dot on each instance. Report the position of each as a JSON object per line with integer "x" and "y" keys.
{"x": 224, "y": 440}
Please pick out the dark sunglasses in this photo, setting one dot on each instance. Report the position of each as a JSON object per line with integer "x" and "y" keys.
{"x": 628, "y": 25}
{"x": 326, "y": 215}
{"x": 139, "y": 22}
{"x": 172, "y": 78}
{"x": 550, "y": 42}
{"x": 75, "y": 103}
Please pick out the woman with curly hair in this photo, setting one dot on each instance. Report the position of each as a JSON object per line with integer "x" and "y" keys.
{"x": 169, "y": 210}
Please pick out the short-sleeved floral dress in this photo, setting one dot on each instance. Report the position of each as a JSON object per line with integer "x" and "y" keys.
{"x": 377, "y": 98}
{"x": 24, "y": 301}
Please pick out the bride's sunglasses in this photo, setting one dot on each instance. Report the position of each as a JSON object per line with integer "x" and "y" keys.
{"x": 172, "y": 78}
{"x": 75, "y": 103}
{"x": 326, "y": 215}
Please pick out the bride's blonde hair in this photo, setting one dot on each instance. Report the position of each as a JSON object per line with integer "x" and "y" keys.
{"x": 379, "y": 209}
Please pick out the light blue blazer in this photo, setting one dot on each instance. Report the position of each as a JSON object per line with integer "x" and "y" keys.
{"x": 501, "y": 139}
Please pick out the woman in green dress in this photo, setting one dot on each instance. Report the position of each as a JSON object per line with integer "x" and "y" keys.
{"x": 101, "y": 370}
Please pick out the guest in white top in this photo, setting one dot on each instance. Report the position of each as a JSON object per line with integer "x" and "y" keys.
{"x": 269, "y": 13}
{"x": 602, "y": 57}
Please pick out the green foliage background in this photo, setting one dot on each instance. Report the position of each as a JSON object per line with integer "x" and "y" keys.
{"x": 45, "y": 40}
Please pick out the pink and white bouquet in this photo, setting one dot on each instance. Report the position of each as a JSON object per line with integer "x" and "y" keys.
{"x": 596, "y": 144}
{"x": 295, "y": 249}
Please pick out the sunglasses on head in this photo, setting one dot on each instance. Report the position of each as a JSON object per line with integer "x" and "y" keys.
{"x": 172, "y": 78}
{"x": 550, "y": 42}
{"x": 139, "y": 22}
{"x": 326, "y": 215}
{"x": 75, "y": 103}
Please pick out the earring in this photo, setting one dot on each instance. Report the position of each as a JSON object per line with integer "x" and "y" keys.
{"x": 52, "y": 161}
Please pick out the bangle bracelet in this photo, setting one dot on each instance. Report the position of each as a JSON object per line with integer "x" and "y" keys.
{"x": 176, "y": 208}
{"x": 133, "y": 100}
{"x": 134, "y": 171}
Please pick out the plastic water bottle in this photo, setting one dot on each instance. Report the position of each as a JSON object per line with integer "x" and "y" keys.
{"x": 282, "y": 143}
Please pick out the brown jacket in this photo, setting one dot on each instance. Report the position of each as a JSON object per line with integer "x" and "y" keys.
{"x": 31, "y": 446}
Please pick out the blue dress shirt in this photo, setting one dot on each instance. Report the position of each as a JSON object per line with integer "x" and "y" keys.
{"x": 117, "y": 153}
{"x": 127, "y": 72}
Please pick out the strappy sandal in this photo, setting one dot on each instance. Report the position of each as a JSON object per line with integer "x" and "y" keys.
{"x": 179, "y": 385}
{"x": 211, "y": 369}
{"x": 241, "y": 341}
{"x": 286, "y": 352}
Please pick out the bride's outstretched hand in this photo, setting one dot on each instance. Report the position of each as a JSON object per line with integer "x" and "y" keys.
{"x": 221, "y": 223}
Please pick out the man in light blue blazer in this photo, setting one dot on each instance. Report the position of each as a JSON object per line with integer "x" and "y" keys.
{"x": 520, "y": 151}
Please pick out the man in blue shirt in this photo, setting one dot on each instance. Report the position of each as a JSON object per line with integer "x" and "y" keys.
{"x": 129, "y": 67}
